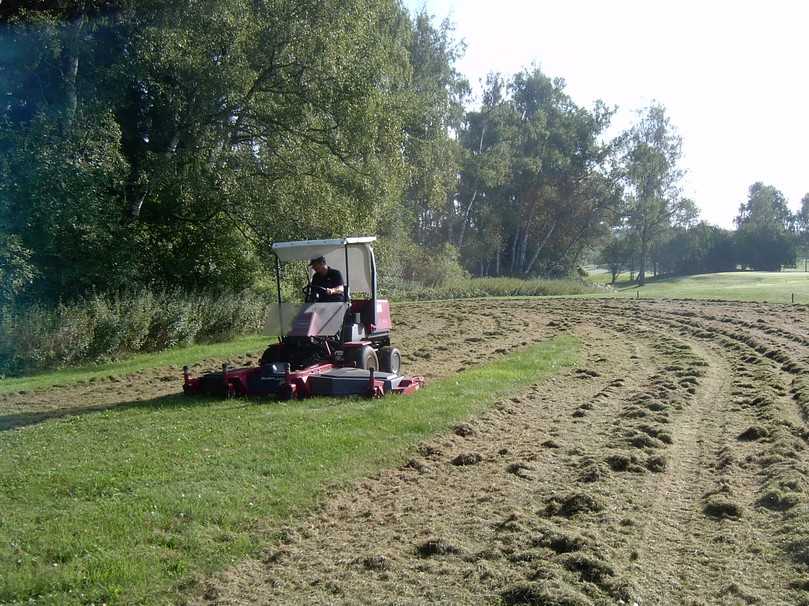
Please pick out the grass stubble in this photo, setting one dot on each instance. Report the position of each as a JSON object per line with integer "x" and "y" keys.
{"x": 133, "y": 504}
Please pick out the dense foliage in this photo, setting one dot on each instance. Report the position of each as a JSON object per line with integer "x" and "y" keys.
{"x": 166, "y": 145}
{"x": 172, "y": 142}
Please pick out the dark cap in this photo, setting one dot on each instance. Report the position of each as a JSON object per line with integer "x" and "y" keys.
{"x": 317, "y": 260}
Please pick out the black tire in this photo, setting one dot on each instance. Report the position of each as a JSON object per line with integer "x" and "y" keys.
{"x": 365, "y": 358}
{"x": 390, "y": 359}
{"x": 271, "y": 355}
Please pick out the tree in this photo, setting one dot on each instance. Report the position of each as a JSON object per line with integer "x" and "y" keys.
{"x": 179, "y": 139}
{"x": 697, "y": 249}
{"x": 802, "y": 228}
{"x": 434, "y": 111}
{"x": 532, "y": 187}
{"x": 765, "y": 236}
{"x": 486, "y": 167}
{"x": 651, "y": 175}
{"x": 617, "y": 253}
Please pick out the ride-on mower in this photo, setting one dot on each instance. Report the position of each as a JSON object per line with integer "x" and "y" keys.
{"x": 324, "y": 347}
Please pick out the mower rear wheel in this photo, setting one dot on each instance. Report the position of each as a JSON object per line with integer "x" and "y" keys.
{"x": 390, "y": 359}
{"x": 365, "y": 358}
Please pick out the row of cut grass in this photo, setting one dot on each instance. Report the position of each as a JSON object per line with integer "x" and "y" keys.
{"x": 130, "y": 505}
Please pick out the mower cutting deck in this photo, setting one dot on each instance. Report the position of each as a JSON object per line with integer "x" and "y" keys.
{"x": 327, "y": 348}
{"x": 318, "y": 380}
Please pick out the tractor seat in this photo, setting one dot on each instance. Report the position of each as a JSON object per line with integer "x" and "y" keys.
{"x": 362, "y": 307}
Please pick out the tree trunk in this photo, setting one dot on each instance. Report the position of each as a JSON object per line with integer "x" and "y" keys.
{"x": 514, "y": 251}
{"x": 135, "y": 206}
{"x": 71, "y": 70}
{"x": 541, "y": 246}
{"x": 523, "y": 251}
{"x": 474, "y": 195}
{"x": 644, "y": 246}
{"x": 171, "y": 149}
{"x": 466, "y": 219}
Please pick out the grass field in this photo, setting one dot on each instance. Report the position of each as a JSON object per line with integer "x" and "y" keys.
{"x": 131, "y": 504}
{"x": 104, "y": 499}
{"x": 773, "y": 287}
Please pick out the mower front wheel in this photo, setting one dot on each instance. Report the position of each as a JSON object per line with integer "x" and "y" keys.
{"x": 390, "y": 359}
{"x": 291, "y": 391}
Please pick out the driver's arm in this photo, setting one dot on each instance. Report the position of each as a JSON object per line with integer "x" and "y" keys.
{"x": 337, "y": 280}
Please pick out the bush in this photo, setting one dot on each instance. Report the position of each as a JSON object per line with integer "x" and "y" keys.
{"x": 136, "y": 314}
{"x": 174, "y": 322}
{"x": 43, "y": 338}
{"x": 229, "y": 315}
{"x": 101, "y": 328}
{"x": 432, "y": 268}
{"x": 107, "y": 334}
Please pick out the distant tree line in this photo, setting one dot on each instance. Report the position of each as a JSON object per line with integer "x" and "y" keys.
{"x": 768, "y": 236}
{"x": 148, "y": 143}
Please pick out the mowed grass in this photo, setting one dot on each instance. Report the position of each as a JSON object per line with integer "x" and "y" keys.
{"x": 171, "y": 357}
{"x": 132, "y": 504}
{"x": 772, "y": 287}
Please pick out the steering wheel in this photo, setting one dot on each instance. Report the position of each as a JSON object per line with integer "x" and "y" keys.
{"x": 311, "y": 292}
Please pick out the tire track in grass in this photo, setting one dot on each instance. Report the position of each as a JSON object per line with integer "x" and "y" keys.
{"x": 549, "y": 518}
{"x": 469, "y": 519}
{"x": 682, "y": 555}
{"x": 757, "y": 537}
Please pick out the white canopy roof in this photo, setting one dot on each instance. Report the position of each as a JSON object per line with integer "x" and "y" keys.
{"x": 309, "y": 249}
{"x": 360, "y": 257}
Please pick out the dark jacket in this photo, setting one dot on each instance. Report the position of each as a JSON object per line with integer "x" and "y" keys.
{"x": 331, "y": 279}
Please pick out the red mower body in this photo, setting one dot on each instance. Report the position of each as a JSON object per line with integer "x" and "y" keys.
{"x": 327, "y": 348}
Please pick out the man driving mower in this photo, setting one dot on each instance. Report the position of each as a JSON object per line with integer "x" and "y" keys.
{"x": 327, "y": 282}
{"x": 328, "y": 346}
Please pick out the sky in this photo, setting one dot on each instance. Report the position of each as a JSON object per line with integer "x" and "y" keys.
{"x": 733, "y": 76}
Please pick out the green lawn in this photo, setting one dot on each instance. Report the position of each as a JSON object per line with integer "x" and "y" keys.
{"x": 131, "y": 504}
{"x": 773, "y": 287}
{"x": 171, "y": 357}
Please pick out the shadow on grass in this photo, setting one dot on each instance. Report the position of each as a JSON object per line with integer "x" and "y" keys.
{"x": 25, "y": 419}
{"x": 177, "y": 400}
